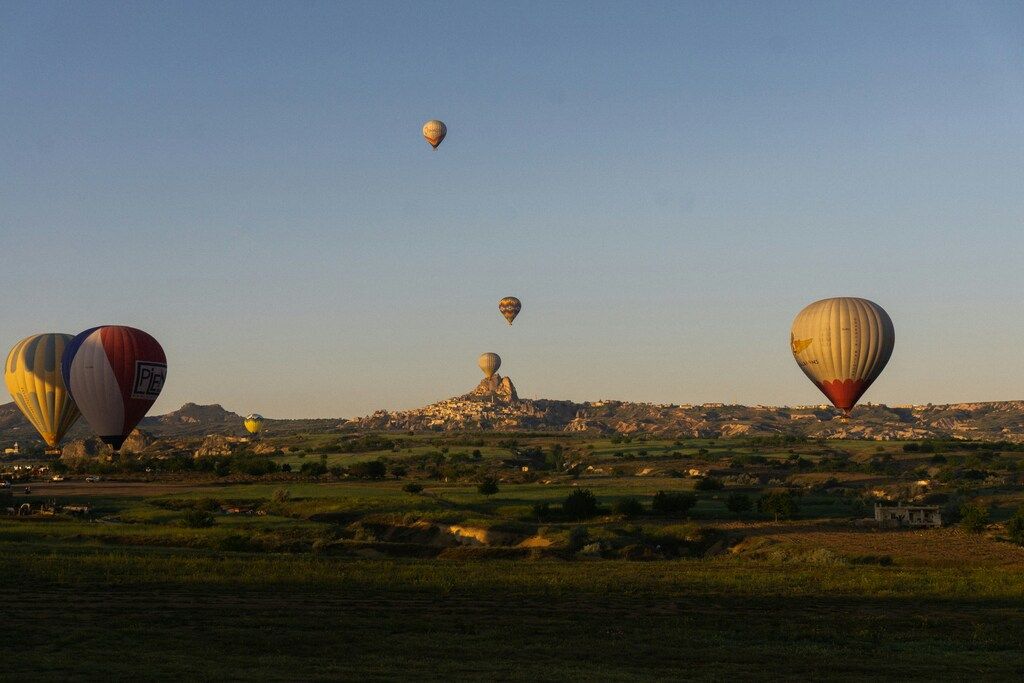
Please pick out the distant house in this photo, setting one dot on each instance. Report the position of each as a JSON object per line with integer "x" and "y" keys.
{"x": 911, "y": 516}
{"x": 13, "y": 451}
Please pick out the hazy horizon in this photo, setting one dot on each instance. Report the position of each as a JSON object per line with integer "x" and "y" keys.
{"x": 663, "y": 189}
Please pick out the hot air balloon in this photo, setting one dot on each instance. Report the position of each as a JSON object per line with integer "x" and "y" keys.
{"x": 34, "y": 379}
{"x": 489, "y": 363}
{"x": 115, "y": 374}
{"x": 842, "y": 345}
{"x": 254, "y": 424}
{"x": 434, "y": 131}
{"x": 510, "y": 307}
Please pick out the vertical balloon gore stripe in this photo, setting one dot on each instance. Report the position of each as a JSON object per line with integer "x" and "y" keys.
{"x": 116, "y": 373}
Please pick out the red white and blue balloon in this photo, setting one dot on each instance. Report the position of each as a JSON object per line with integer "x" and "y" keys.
{"x": 114, "y": 373}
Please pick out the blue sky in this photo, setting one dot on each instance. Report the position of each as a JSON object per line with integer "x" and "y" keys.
{"x": 664, "y": 185}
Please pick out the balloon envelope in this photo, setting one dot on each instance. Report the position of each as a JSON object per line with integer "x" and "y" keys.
{"x": 254, "y": 423}
{"x": 34, "y": 379}
{"x": 842, "y": 345}
{"x": 434, "y": 132}
{"x": 510, "y": 307}
{"x": 115, "y": 374}
{"x": 489, "y": 363}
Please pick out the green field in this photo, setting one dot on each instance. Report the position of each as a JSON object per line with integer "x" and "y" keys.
{"x": 287, "y": 576}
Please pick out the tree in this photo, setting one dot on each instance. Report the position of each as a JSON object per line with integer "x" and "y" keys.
{"x": 580, "y": 504}
{"x": 412, "y": 487}
{"x": 738, "y": 503}
{"x": 1015, "y": 527}
{"x": 669, "y": 503}
{"x": 780, "y": 504}
{"x": 372, "y": 469}
{"x": 488, "y": 487}
{"x": 974, "y": 517}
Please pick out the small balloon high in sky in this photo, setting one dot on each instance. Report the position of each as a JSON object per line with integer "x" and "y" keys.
{"x": 434, "y": 132}
{"x": 509, "y": 308}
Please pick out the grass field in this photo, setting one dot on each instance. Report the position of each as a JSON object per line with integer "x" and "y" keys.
{"x": 304, "y": 578}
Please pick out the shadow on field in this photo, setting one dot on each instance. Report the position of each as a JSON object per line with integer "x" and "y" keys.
{"x": 289, "y": 632}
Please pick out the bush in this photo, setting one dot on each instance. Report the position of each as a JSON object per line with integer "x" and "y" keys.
{"x": 974, "y": 517}
{"x": 412, "y": 488}
{"x": 1015, "y": 527}
{"x": 628, "y": 508}
{"x": 580, "y": 504}
{"x": 709, "y": 484}
{"x": 542, "y": 511}
{"x": 373, "y": 469}
{"x": 488, "y": 487}
{"x": 672, "y": 503}
{"x": 738, "y": 503}
{"x": 313, "y": 469}
{"x": 197, "y": 519}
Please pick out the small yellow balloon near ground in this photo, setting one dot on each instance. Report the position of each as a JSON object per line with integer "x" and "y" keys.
{"x": 254, "y": 424}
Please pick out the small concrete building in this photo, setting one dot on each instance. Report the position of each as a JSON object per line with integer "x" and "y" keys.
{"x": 913, "y": 516}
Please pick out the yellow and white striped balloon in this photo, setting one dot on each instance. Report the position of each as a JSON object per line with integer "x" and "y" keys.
{"x": 842, "y": 345}
{"x": 34, "y": 379}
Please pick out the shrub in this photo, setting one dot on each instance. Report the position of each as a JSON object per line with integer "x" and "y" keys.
{"x": 580, "y": 504}
{"x": 488, "y": 487}
{"x": 628, "y": 508}
{"x": 197, "y": 519}
{"x": 373, "y": 469}
{"x": 974, "y": 517}
{"x": 672, "y": 503}
{"x": 412, "y": 487}
{"x": 399, "y": 471}
{"x": 286, "y": 467}
{"x": 313, "y": 469}
{"x": 1015, "y": 527}
{"x": 709, "y": 484}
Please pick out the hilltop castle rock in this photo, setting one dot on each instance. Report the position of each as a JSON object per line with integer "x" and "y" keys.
{"x": 494, "y": 388}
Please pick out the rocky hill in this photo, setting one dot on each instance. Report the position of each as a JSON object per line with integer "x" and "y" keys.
{"x": 490, "y": 408}
{"x": 494, "y": 405}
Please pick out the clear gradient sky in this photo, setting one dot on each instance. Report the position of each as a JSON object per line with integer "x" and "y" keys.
{"x": 664, "y": 185}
